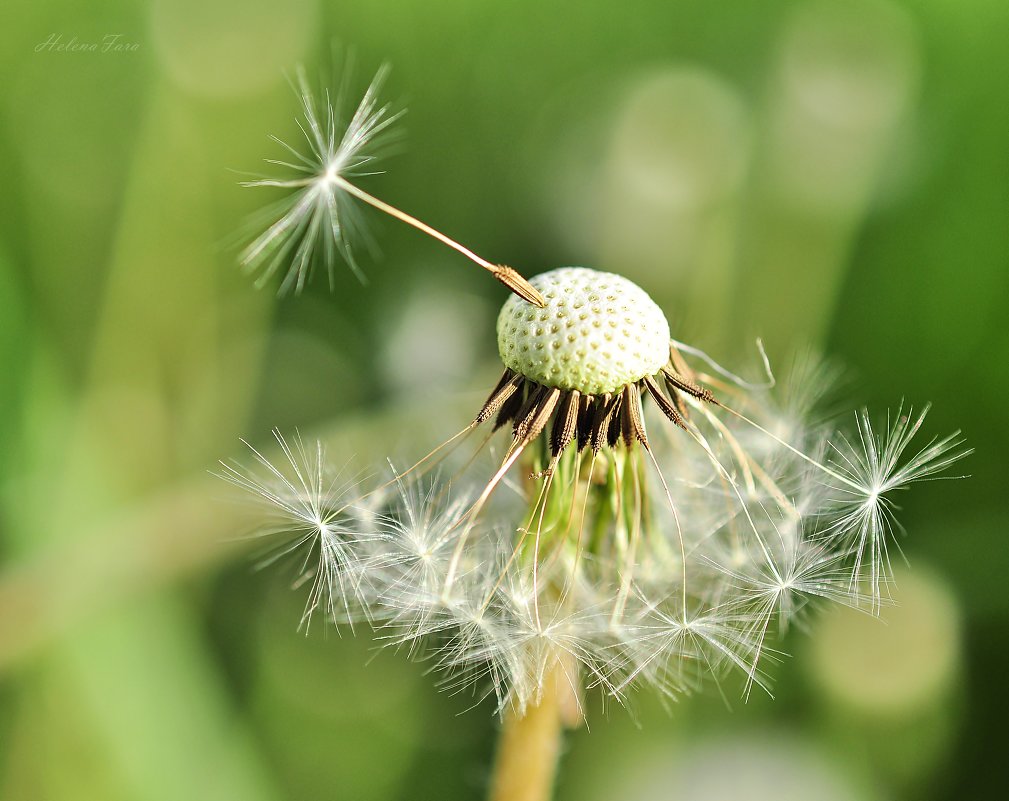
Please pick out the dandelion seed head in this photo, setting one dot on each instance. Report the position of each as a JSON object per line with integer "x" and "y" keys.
{"x": 597, "y": 332}
{"x": 652, "y": 520}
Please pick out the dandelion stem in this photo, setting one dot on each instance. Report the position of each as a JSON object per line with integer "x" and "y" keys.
{"x": 530, "y": 743}
{"x": 506, "y": 275}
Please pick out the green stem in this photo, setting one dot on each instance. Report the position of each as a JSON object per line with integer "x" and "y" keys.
{"x": 530, "y": 745}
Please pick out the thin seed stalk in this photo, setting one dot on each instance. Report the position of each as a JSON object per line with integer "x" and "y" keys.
{"x": 508, "y": 276}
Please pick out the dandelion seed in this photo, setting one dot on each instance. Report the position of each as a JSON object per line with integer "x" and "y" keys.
{"x": 869, "y": 472}
{"x": 308, "y": 505}
{"x": 321, "y": 220}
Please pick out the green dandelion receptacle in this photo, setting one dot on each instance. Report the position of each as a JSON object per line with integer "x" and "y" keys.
{"x": 597, "y": 333}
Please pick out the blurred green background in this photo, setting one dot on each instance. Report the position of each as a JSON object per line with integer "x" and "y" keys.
{"x": 833, "y": 175}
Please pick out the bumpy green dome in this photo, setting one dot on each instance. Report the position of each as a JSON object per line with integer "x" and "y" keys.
{"x": 598, "y": 332}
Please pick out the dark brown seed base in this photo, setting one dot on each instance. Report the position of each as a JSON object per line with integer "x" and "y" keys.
{"x": 589, "y": 420}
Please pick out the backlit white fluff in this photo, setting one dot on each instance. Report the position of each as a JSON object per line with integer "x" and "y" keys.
{"x": 763, "y": 538}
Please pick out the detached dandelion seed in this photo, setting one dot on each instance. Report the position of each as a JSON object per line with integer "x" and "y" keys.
{"x": 652, "y": 519}
{"x": 322, "y": 213}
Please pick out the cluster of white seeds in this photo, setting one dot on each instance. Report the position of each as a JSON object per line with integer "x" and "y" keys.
{"x": 597, "y": 333}
{"x": 713, "y": 573}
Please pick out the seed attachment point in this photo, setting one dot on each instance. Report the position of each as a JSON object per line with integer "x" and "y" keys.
{"x": 512, "y": 279}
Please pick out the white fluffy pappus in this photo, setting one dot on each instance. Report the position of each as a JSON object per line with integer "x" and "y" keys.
{"x": 320, "y": 219}
{"x": 624, "y": 570}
